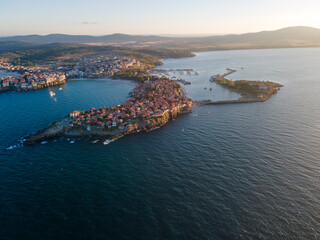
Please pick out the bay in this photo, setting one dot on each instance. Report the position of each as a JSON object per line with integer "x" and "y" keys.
{"x": 222, "y": 172}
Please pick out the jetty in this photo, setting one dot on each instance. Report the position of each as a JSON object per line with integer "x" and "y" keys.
{"x": 236, "y": 101}
{"x": 222, "y": 76}
{"x": 183, "y": 81}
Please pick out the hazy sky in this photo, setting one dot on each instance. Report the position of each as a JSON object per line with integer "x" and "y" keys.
{"x": 99, "y": 17}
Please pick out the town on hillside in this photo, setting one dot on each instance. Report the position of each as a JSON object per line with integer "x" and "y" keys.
{"x": 37, "y": 77}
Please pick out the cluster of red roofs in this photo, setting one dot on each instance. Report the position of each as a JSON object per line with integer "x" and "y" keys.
{"x": 150, "y": 99}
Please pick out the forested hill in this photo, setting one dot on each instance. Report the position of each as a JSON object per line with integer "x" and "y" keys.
{"x": 286, "y": 37}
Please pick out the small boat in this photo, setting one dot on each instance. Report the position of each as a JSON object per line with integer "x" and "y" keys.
{"x": 44, "y": 142}
{"x": 95, "y": 141}
{"x": 73, "y": 141}
{"x": 205, "y": 88}
{"x": 210, "y": 89}
{"x": 10, "y": 148}
{"x": 52, "y": 93}
{"x": 106, "y": 142}
{"x": 60, "y": 88}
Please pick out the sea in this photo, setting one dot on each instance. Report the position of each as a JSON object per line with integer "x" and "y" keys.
{"x": 237, "y": 171}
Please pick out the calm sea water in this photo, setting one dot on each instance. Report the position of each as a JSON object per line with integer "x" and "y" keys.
{"x": 223, "y": 172}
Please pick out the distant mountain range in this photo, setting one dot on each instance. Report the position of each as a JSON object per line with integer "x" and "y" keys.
{"x": 64, "y": 38}
{"x": 286, "y": 37}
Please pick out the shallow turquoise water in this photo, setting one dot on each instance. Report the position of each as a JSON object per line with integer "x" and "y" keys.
{"x": 222, "y": 172}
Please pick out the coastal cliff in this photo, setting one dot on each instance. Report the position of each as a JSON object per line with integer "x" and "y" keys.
{"x": 63, "y": 128}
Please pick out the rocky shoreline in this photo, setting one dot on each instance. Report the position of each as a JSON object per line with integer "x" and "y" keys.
{"x": 63, "y": 128}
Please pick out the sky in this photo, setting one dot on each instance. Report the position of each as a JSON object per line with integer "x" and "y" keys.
{"x": 161, "y": 17}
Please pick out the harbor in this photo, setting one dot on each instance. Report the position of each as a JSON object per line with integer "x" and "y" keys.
{"x": 181, "y": 71}
{"x": 171, "y": 74}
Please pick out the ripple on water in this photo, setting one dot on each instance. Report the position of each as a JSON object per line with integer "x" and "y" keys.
{"x": 235, "y": 172}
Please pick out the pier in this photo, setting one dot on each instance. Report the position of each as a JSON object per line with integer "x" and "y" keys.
{"x": 183, "y": 81}
{"x": 221, "y": 76}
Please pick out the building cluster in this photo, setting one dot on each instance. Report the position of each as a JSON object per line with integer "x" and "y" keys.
{"x": 7, "y": 66}
{"x": 32, "y": 78}
{"x": 41, "y": 77}
{"x": 99, "y": 67}
{"x": 149, "y": 99}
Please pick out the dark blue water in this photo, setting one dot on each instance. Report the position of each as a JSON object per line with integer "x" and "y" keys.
{"x": 223, "y": 172}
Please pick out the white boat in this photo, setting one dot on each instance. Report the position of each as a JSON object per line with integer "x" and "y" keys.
{"x": 44, "y": 142}
{"x": 95, "y": 141}
{"x": 52, "y": 93}
{"x": 106, "y": 142}
{"x": 72, "y": 141}
{"x": 60, "y": 88}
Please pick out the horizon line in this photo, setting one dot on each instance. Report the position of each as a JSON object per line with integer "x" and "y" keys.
{"x": 158, "y": 34}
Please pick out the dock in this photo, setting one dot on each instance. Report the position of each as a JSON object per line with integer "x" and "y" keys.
{"x": 183, "y": 81}
{"x": 221, "y": 76}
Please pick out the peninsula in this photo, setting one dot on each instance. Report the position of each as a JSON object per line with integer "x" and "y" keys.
{"x": 152, "y": 104}
{"x": 251, "y": 91}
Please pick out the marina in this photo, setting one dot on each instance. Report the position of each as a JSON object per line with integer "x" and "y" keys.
{"x": 170, "y": 74}
{"x": 167, "y": 72}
